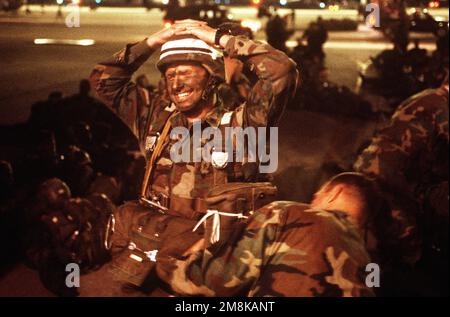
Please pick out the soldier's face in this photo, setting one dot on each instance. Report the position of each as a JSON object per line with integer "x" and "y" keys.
{"x": 185, "y": 84}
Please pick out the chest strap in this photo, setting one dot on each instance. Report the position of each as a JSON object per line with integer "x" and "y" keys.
{"x": 155, "y": 154}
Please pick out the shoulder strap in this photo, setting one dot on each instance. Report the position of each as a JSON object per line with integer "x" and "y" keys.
{"x": 155, "y": 154}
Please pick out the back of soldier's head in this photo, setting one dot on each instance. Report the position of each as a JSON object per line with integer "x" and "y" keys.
{"x": 353, "y": 193}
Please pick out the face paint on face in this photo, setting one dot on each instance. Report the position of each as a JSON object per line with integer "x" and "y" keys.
{"x": 185, "y": 84}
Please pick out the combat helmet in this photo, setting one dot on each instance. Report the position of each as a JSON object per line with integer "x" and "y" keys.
{"x": 191, "y": 49}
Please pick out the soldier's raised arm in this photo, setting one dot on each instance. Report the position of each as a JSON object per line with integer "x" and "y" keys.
{"x": 276, "y": 84}
{"x": 276, "y": 74}
{"x": 111, "y": 79}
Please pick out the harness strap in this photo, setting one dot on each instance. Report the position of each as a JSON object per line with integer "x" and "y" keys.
{"x": 215, "y": 230}
{"x": 155, "y": 154}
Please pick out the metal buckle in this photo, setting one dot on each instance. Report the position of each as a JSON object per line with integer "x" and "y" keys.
{"x": 110, "y": 228}
{"x": 154, "y": 203}
{"x": 151, "y": 255}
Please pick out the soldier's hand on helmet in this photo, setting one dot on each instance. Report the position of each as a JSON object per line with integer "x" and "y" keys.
{"x": 190, "y": 22}
{"x": 199, "y": 29}
{"x": 159, "y": 38}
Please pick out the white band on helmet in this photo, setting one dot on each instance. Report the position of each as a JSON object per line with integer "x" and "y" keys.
{"x": 188, "y": 45}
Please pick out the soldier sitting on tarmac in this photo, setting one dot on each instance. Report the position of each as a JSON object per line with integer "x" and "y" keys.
{"x": 176, "y": 195}
{"x": 409, "y": 159}
{"x": 163, "y": 233}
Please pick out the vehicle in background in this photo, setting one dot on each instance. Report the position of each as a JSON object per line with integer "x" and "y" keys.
{"x": 214, "y": 15}
{"x": 10, "y": 5}
{"x": 422, "y": 21}
{"x": 435, "y": 4}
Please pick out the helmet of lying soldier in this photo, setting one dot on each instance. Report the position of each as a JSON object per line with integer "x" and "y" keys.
{"x": 191, "y": 69}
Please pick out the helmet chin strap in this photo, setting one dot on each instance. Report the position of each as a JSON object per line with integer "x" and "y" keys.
{"x": 210, "y": 85}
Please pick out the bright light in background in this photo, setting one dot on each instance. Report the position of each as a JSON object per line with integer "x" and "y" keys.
{"x": 165, "y": 1}
{"x": 77, "y": 2}
{"x": 434, "y": 4}
{"x": 322, "y": 5}
{"x": 252, "y": 25}
{"x": 372, "y": 21}
{"x": 85, "y": 42}
{"x": 59, "y": 1}
{"x": 167, "y": 25}
{"x": 98, "y": 1}
{"x": 362, "y": 45}
{"x": 283, "y": 2}
{"x": 333, "y": 7}
{"x": 256, "y": 1}
{"x": 41, "y": 41}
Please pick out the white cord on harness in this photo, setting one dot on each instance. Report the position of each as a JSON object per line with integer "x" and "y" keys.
{"x": 215, "y": 230}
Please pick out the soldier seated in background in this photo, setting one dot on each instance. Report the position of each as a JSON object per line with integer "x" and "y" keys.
{"x": 409, "y": 159}
{"x": 366, "y": 206}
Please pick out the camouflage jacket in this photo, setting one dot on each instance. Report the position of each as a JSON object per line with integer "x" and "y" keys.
{"x": 409, "y": 158}
{"x": 411, "y": 153}
{"x": 283, "y": 249}
{"x": 146, "y": 114}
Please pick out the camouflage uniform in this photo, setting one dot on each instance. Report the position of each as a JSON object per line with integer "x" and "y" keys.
{"x": 410, "y": 155}
{"x": 146, "y": 114}
{"x": 185, "y": 184}
{"x": 284, "y": 249}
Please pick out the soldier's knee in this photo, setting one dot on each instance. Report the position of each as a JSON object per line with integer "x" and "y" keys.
{"x": 126, "y": 214}
{"x": 124, "y": 217}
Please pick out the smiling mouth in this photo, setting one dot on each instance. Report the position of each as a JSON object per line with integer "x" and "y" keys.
{"x": 183, "y": 95}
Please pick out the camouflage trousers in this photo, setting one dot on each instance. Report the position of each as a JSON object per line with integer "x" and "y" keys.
{"x": 282, "y": 249}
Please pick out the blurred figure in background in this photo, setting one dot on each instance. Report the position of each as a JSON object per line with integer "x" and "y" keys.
{"x": 316, "y": 35}
{"x": 409, "y": 159}
{"x": 277, "y": 32}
